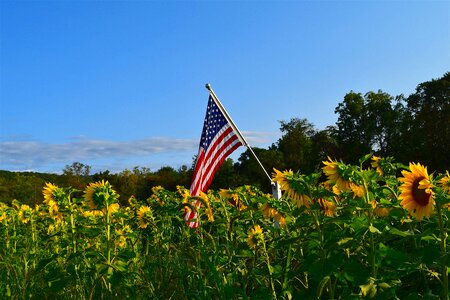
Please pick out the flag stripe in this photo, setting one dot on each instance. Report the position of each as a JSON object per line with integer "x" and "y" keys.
{"x": 220, "y": 157}
{"x": 204, "y": 161}
{"x": 219, "y": 139}
{"x": 214, "y": 152}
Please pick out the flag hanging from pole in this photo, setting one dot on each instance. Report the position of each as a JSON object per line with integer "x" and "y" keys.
{"x": 219, "y": 139}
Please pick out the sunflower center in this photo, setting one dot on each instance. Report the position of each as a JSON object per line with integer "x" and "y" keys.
{"x": 419, "y": 195}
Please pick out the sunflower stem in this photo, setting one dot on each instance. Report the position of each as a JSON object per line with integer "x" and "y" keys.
{"x": 287, "y": 269}
{"x": 443, "y": 233}
{"x": 108, "y": 241}
{"x": 269, "y": 266}
{"x": 72, "y": 225}
{"x": 371, "y": 234}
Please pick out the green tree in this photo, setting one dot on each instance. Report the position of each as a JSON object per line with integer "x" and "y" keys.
{"x": 295, "y": 144}
{"x": 428, "y": 140}
{"x": 323, "y": 144}
{"x": 350, "y": 132}
{"x": 77, "y": 175}
{"x": 249, "y": 170}
{"x": 377, "y": 120}
{"x": 167, "y": 177}
{"x": 374, "y": 122}
{"x": 226, "y": 176}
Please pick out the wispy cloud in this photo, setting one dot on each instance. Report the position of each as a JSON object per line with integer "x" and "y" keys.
{"x": 36, "y": 155}
{"x": 259, "y": 138}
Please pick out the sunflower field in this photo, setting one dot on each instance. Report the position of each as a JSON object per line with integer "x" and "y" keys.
{"x": 378, "y": 230}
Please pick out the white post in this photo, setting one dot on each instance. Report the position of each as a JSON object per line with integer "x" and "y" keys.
{"x": 276, "y": 191}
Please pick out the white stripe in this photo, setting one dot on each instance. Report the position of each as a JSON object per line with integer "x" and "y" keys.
{"x": 206, "y": 162}
{"x": 215, "y": 149}
{"x": 199, "y": 172}
{"x": 211, "y": 167}
{"x": 211, "y": 162}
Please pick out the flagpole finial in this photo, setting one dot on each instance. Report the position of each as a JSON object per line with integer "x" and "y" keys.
{"x": 208, "y": 86}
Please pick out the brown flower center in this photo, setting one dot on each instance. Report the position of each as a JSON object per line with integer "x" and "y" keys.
{"x": 419, "y": 195}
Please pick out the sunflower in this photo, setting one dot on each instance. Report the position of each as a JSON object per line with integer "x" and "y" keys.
{"x": 444, "y": 182}
{"x": 89, "y": 193}
{"x": 132, "y": 201}
{"x": 25, "y": 213}
{"x": 233, "y": 199}
{"x": 255, "y": 235}
{"x": 358, "y": 190}
{"x": 3, "y": 209}
{"x": 121, "y": 241}
{"x": 380, "y": 211}
{"x": 113, "y": 208}
{"x": 270, "y": 212}
{"x": 333, "y": 170}
{"x": 184, "y": 193}
{"x": 97, "y": 193}
{"x": 48, "y": 191}
{"x": 376, "y": 164}
{"x": 157, "y": 190}
{"x": 283, "y": 178}
{"x": 144, "y": 215}
{"x": 92, "y": 214}
{"x": 208, "y": 210}
{"x": 416, "y": 194}
{"x": 328, "y": 207}
{"x": 249, "y": 190}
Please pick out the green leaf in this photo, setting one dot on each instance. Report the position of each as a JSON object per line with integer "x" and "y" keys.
{"x": 127, "y": 254}
{"x": 369, "y": 289}
{"x": 59, "y": 284}
{"x": 359, "y": 224}
{"x": 116, "y": 278}
{"x": 277, "y": 270}
{"x": 44, "y": 262}
{"x": 373, "y": 229}
{"x": 430, "y": 238}
{"x": 444, "y": 260}
{"x": 321, "y": 286}
{"x": 395, "y": 231}
{"x": 245, "y": 253}
{"x": 364, "y": 158}
{"x": 344, "y": 241}
{"x": 286, "y": 242}
{"x": 355, "y": 272}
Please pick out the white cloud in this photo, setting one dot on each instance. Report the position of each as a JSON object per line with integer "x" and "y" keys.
{"x": 42, "y": 156}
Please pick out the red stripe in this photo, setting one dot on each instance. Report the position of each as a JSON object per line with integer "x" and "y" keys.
{"x": 206, "y": 165}
{"x": 212, "y": 160}
{"x": 218, "y": 146}
{"x": 206, "y": 185}
{"x": 197, "y": 173}
{"x": 200, "y": 156}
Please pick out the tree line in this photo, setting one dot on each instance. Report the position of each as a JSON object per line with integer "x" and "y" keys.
{"x": 414, "y": 128}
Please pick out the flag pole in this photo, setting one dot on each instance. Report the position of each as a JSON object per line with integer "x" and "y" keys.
{"x": 239, "y": 134}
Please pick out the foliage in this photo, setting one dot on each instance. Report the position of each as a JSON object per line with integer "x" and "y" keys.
{"x": 344, "y": 233}
{"x": 428, "y": 139}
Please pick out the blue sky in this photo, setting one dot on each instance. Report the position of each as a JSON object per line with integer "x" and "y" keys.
{"x": 118, "y": 84}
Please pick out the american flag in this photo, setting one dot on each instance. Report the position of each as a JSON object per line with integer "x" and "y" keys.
{"x": 218, "y": 140}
